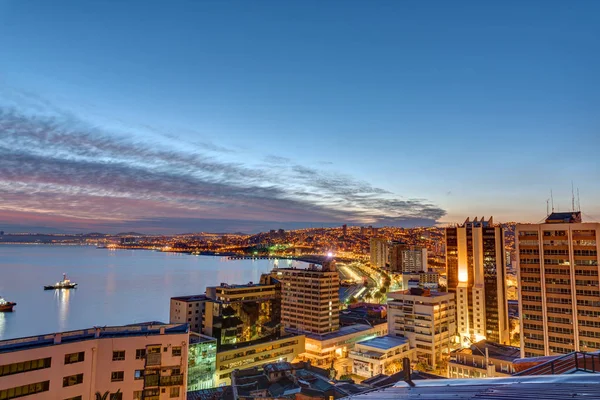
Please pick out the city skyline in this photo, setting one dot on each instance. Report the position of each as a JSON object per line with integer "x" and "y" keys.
{"x": 254, "y": 117}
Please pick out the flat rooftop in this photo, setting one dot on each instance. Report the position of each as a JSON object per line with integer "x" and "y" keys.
{"x": 196, "y": 338}
{"x": 343, "y": 331}
{"x": 384, "y": 342}
{"x": 495, "y": 350}
{"x": 104, "y": 332}
{"x": 194, "y": 297}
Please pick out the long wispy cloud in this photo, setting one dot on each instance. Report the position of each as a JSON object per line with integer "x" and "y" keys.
{"x": 60, "y": 166}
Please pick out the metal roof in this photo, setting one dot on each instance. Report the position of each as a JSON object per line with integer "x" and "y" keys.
{"x": 384, "y": 342}
{"x": 541, "y": 387}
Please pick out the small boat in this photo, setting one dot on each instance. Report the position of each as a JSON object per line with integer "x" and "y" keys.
{"x": 64, "y": 284}
{"x": 6, "y": 306}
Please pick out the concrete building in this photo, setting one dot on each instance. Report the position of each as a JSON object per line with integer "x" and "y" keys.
{"x": 138, "y": 361}
{"x": 426, "y": 318}
{"x": 256, "y": 354}
{"x": 232, "y": 313}
{"x": 379, "y": 252}
{"x": 475, "y": 263}
{"x": 242, "y": 313}
{"x": 310, "y": 298}
{"x": 559, "y": 297}
{"x": 483, "y": 359}
{"x": 322, "y": 350}
{"x": 407, "y": 259}
{"x": 381, "y": 355}
{"x": 424, "y": 280}
{"x": 188, "y": 310}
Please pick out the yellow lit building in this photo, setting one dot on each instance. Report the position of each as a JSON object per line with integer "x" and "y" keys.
{"x": 475, "y": 264}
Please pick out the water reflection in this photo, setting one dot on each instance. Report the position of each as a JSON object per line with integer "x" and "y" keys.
{"x": 62, "y": 297}
{"x": 2, "y": 323}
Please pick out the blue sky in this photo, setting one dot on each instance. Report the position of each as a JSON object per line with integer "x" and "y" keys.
{"x": 408, "y": 112}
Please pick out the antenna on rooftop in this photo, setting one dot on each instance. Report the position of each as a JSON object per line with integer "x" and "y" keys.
{"x": 572, "y": 198}
{"x": 547, "y": 207}
{"x": 552, "y": 199}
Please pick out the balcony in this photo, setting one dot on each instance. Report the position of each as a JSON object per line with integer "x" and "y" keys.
{"x": 151, "y": 380}
{"x": 153, "y": 359}
{"x": 173, "y": 380}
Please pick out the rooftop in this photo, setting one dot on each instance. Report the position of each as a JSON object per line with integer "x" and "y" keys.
{"x": 419, "y": 292}
{"x": 51, "y": 339}
{"x": 564, "y": 217}
{"x": 195, "y": 297}
{"x": 343, "y": 331}
{"x": 495, "y": 350}
{"x": 384, "y": 342}
{"x": 199, "y": 338}
{"x": 547, "y": 387}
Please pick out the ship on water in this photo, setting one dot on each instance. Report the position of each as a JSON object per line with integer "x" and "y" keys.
{"x": 64, "y": 284}
{"x": 6, "y": 306}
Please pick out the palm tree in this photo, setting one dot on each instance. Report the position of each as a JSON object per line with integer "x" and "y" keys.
{"x": 114, "y": 396}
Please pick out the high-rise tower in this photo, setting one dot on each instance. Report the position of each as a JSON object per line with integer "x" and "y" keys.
{"x": 475, "y": 264}
{"x": 559, "y": 295}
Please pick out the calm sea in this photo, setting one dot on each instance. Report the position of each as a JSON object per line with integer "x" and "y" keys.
{"x": 116, "y": 287}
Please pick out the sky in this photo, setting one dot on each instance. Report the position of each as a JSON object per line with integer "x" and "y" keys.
{"x": 184, "y": 116}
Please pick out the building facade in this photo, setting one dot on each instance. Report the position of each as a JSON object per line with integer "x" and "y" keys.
{"x": 310, "y": 298}
{"x": 426, "y": 318}
{"x": 242, "y": 313}
{"x": 379, "y": 252}
{"x": 406, "y": 259}
{"x": 188, "y": 310}
{"x": 232, "y": 357}
{"x": 381, "y": 355}
{"x": 133, "y": 362}
{"x": 475, "y": 265}
{"x": 202, "y": 362}
{"x": 483, "y": 360}
{"x": 559, "y": 295}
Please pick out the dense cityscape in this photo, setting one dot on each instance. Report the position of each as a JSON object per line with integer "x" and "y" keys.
{"x": 463, "y": 301}
{"x": 299, "y": 200}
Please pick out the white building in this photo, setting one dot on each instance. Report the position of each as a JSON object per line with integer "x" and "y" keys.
{"x": 137, "y": 361}
{"x": 426, "y": 318}
{"x": 381, "y": 355}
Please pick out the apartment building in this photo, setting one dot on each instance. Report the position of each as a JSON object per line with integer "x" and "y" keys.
{"x": 132, "y": 362}
{"x": 426, "y": 318}
{"x": 188, "y": 310}
{"x": 379, "y": 252}
{"x": 310, "y": 298}
{"x": 242, "y": 313}
{"x": 475, "y": 264}
{"x": 407, "y": 259}
{"x": 559, "y": 295}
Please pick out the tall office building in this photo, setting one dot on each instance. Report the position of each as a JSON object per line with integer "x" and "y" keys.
{"x": 475, "y": 265}
{"x": 559, "y": 297}
{"x": 310, "y": 298}
{"x": 379, "y": 252}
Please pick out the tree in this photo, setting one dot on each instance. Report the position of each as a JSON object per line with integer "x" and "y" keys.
{"x": 114, "y": 396}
